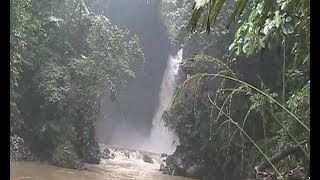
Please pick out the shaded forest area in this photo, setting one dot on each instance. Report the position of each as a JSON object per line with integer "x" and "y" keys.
{"x": 252, "y": 119}
{"x": 63, "y": 58}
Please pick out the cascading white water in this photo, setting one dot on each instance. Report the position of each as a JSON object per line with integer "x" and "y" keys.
{"x": 162, "y": 140}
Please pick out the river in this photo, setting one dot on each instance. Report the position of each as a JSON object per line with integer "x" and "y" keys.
{"x": 127, "y": 165}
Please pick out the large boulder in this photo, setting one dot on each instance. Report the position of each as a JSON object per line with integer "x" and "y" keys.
{"x": 65, "y": 155}
{"x": 189, "y": 163}
{"x": 163, "y": 164}
{"x": 19, "y": 151}
{"x": 92, "y": 153}
{"x": 163, "y": 155}
{"x": 177, "y": 163}
{"x": 184, "y": 162}
{"x": 167, "y": 166}
{"x": 174, "y": 166}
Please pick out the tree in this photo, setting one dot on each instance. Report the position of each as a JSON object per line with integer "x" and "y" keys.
{"x": 278, "y": 30}
{"x": 63, "y": 57}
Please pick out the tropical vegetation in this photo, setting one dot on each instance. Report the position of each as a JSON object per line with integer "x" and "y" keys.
{"x": 259, "y": 106}
{"x": 63, "y": 57}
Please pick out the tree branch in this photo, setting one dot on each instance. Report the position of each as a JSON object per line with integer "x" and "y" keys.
{"x": 279, "y": 156}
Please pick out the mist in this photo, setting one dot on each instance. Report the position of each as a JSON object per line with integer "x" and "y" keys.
{"x": 128, "y": 121}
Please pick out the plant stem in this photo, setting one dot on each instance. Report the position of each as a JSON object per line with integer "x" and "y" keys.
{"x": 263, "y": 93}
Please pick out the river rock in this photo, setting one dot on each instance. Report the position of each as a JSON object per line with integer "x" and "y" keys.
{"x": 65, "y": 155}
{"x": 172, "y": 166}
{"x": 92, "y": 153}
{"x": 107, "y": 154}
{"x": 163, "y": 155}
{"x": 127, "y": 154}
{"x": 163, "y": 164}
{"x": 147, "y": 159}
{"x": 178, "y": 163}
{"x": 19, "y": 151}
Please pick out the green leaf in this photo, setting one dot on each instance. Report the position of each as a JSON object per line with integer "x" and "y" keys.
{"x": 277, "y": 19}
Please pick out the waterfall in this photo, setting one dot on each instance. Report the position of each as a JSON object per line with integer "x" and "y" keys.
{"x": 161, "y": 139}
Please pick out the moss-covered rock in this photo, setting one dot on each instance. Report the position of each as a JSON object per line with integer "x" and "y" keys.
{"x": 92, "y": 153}
{"x": 65, "y": 155}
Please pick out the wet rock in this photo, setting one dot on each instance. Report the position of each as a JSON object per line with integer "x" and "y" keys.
{"x": 179, "y": 160}
{"x": 107, "y": 154}
{"x": 189, "y": 162}
{"x": 147, "y": 159}
{"x": 65, "y": 156}
{"x": 195, "y": 171}
{"x": 92, "y": 153}
{"x": 127, "y": 154}
{"x": 182, "y": 163}
{"x": 173, "y": 166}
{"x": 19, "y": 151}
{"x": 163, "y": 162}
{"x": 163, "y": 155}
{"x": 167, "y": 166}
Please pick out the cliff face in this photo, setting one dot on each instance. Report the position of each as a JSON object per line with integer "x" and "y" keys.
{"x": 125, "y": 122}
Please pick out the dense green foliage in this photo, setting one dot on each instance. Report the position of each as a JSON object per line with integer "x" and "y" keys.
{"x": 63, "y": 57}
{"x": 65, "y": 156}
{"x": 176, "y": 15}
{"x": 262, "y": 97}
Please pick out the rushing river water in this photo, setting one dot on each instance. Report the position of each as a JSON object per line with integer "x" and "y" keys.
{"x": 127, "y": 165}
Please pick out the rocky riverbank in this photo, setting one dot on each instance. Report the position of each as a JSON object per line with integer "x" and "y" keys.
{"x": 184, "y": 162}
{"x": 63, "y": 155}
{"x": 19, "y": 150}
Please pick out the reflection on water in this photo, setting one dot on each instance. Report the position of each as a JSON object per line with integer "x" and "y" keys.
{"x": 119, "y": 168}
